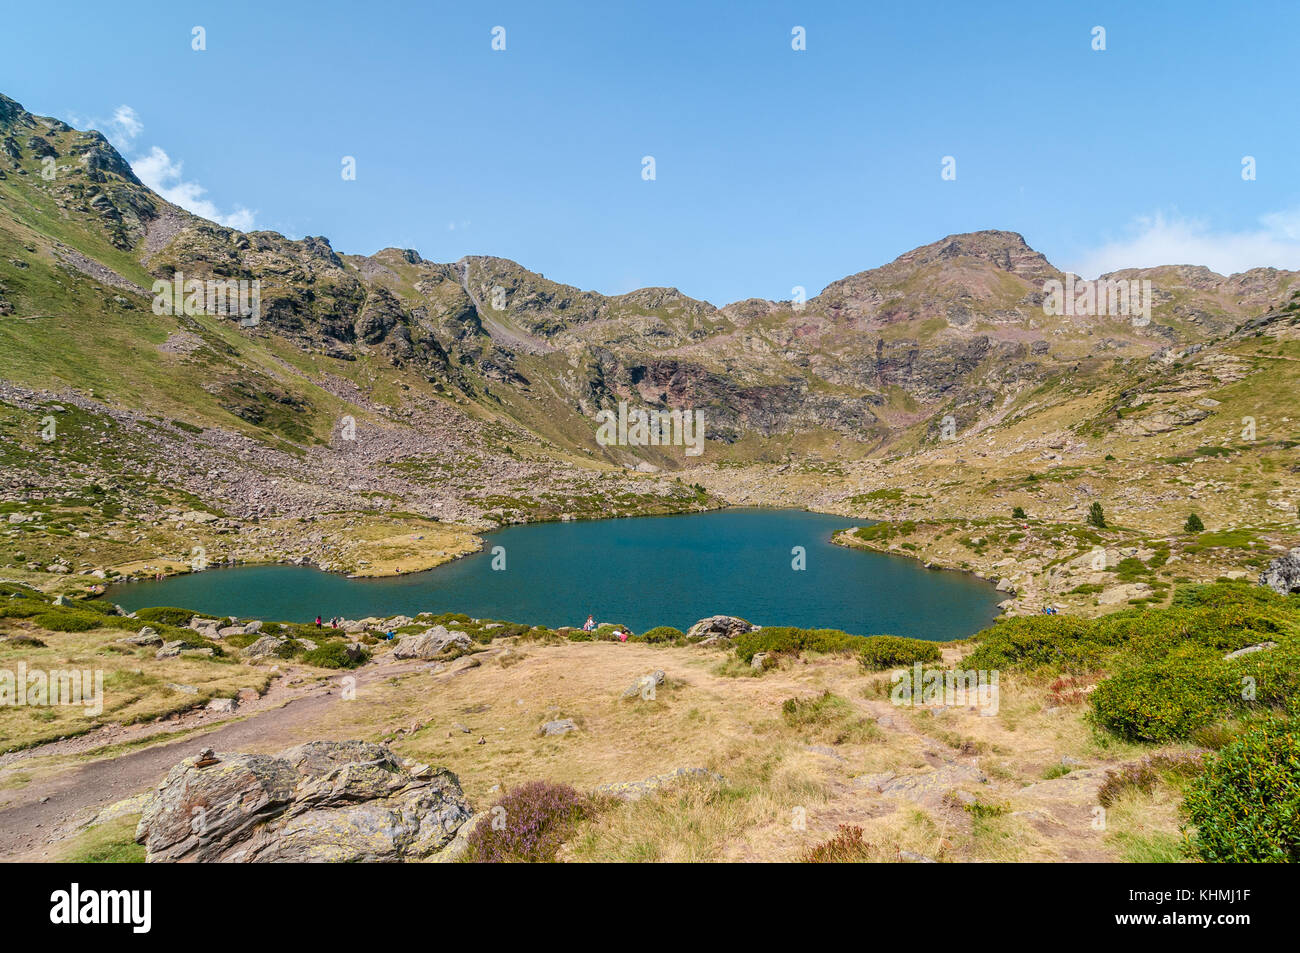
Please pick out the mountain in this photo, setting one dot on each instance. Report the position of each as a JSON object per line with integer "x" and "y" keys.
{"x": 467, "y": 392}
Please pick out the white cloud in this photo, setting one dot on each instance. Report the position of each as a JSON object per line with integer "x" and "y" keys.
{"x": 160, "y": 173}
{"x": 125, "y": 124}
{"x": 1157, "y": 240}
{"x": 157, "y": 170}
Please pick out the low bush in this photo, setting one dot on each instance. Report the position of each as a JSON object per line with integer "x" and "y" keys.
{"x": 890, "y": 651}
{"x": 1166, "y": 700}
{"x": 528, "y": 824}
{"x": 661, "y": 633}
{"x": 787, "y": 639}
{"x": 1245, "y": 805}
{"x": 1059, "y": 643}
{"x": 63, "y": 620}
{"x": 168, "y": 615}
{"x": 334, "y": 655}
{"x": 846, "y": 847}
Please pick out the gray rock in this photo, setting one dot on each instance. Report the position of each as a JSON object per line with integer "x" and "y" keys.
{"x": 1250, "y": 649}
{"x": 635, "y": 790}
{"x": 224, "y": 706}
{"x": 146, "y": 636}
{"x": 720, "y": 626}
{"x": 912, "y": 857}
{"x": 561, "y": 726}
{"x": 170, "y": 649}
{"x": 644, "y": 684}
{"x": 1283, "y": 573}
{"x": 265, "y": 647}
{"x": 319, "y": 802}
{"x": 431, "y": 643}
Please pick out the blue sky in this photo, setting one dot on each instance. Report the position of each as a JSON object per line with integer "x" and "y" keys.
{"x": 774, "y": 168}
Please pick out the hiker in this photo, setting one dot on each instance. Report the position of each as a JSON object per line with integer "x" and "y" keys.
{"x": 589, "y": 625}
{"x": 318, "y": 622}
{"x": 388, "y": 636}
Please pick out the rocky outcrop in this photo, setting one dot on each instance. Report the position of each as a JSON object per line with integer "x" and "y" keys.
{"x": 265, "y": 647}
{"x": 431, "y": 643}
{"x": 720, "y": 627}
{"x": 635, "y": 790}
{"x": 324, "y": 801}
{"x": 1283, "y": 573}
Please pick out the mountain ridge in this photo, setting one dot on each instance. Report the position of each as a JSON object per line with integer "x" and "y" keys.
{"x": 366, "y": 376}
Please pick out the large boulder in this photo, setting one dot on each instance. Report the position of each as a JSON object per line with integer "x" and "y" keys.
{"x": 431, "y": 643}
{"x": 208, "y": 628}
{"x": 265, "y": 647}
{"x": 324, "y": 801}
{"x": 146, "y": 636}
{"x": 1283, "y": 573}
{"x": 720, "y": 627}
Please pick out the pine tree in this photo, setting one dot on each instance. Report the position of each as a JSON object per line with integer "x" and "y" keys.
{"x": 1193, "y": 524}
{"x": 1018, "y": 513}
{"x": 1096, "y": 517}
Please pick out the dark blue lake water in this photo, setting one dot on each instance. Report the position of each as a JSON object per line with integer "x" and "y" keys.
{"x": 642, "y": 572}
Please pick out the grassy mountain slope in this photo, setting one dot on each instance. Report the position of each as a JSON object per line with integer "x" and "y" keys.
{"x": 385, "y": 391}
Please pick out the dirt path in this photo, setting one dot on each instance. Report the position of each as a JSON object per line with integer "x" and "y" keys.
{"x": 47, "y": 810}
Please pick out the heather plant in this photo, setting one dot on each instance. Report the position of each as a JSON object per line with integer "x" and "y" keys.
{"x": 528, "y": 824}
{"x": 846, "y": 847}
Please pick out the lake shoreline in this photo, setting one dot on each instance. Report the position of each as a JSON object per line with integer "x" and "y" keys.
{"x": 732, "y": 561}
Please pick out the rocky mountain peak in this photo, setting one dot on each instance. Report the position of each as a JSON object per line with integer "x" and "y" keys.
{"x": 1007, "y": 251}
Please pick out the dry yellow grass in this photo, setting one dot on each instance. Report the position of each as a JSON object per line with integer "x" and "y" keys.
{"x": 787, "y": 787}
{"x": 136, "y": 686}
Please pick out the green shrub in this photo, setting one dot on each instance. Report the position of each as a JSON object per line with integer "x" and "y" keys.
{"x": 781, "y": 638}
{"x": 662, "y": 633}
{"x": 1096, "y": 517}
{"x": 334, "y": 655}
{"x": 168, "y": 615}
{"x": 890, "y": 651}
{"x": 1018, "y": 513}
{"x": 1057, "y": 642}
{"x": 1130, "y": 569}
{"x": 94, "y": 606}
{"x": 1193, "y": 524}
{"x": 1166, "y": 700}
{"x": 62, "y": 620}
{"x": 1245, "y": 806}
